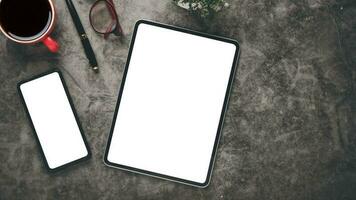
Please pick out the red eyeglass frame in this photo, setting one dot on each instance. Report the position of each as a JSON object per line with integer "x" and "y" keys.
{"x": 115, "y": 19}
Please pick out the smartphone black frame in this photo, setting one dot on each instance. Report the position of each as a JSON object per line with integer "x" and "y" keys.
{"x": 222, "y": 115}
{"x": 88, "y": 156}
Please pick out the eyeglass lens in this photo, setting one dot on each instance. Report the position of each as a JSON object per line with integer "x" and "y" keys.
{"x": 103, "y": 17}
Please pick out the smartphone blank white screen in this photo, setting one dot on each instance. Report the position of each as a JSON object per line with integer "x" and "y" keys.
{"x": 171, "y": 103}
{"x": 53, "y": 119}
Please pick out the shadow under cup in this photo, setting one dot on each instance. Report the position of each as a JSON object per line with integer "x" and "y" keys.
{"x": 28, "y": 21}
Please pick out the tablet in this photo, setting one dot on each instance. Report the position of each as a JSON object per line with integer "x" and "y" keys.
{"x": 53, "y": 120}
{"x": 171, "y": 103}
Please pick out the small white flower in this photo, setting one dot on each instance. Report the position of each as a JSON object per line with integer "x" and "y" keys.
{"x": 200, "y": 6}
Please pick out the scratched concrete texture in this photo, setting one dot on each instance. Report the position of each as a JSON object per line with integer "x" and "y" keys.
{"x": 290, "y": 128}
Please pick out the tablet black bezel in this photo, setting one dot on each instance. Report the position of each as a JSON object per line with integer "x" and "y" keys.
{"x": 222, "y": 115}
{"x": 33, "y": 127}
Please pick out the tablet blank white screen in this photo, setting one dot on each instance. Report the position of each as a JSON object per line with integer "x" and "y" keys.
{"x": 53, "y": 119}
{"x": 171, "y": 103}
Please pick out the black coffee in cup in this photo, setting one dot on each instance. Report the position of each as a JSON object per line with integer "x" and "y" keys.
{"x": 25, "y": 19}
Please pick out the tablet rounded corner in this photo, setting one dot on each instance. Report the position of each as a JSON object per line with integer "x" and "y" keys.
{"x": 236, "y": 44}
{"x": 18, "y": 86}
{"x": 106, "y": 160}
{"x": 57, "y": 72}
{"x": 205, "y": 184}
{"x": 140, "y": 21}
{"x": 50, "y": 169}
{"x": 88, "y": 155}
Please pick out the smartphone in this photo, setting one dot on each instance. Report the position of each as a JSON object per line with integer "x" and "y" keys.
{"x": 54, "y": 120}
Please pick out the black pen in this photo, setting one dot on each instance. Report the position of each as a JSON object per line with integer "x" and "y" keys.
{"x": 83, "y": 36}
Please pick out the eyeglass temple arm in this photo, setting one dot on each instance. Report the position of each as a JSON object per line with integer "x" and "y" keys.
{"x": 114, "y": 16}
{"x": 107, "y": 32}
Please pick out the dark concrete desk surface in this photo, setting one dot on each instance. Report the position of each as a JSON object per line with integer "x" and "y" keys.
{"x": 289, "y": 132}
